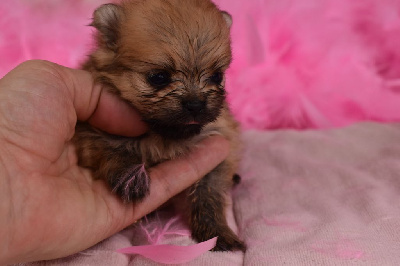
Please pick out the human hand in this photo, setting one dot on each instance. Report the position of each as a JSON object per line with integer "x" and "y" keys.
{"x": 49, "y": 206}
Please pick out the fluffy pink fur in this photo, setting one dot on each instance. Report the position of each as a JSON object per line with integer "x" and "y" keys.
{"x": 40, "y": 29}
{"x": 314, "y": 63}
{"x": 297, "y": 64}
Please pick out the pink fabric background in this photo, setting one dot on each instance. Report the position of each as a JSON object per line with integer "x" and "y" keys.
{"x": 297, "y": 64}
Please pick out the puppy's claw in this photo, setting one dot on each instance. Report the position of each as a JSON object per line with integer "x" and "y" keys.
{"x": 236, "y": 179}
{"x": 132, "y": 186}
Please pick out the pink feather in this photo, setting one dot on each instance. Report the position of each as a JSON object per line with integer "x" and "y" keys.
{"x": 171, "y": 254}
{"x": 52, "y": 30}
{"x": 314, "y": 63}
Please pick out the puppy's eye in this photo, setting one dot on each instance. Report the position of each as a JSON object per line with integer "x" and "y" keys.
{"x": 159, "y": 79}
{"x": 216, "y": 78}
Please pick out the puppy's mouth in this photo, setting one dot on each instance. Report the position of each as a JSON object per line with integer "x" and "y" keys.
{"x": 193, "y": 122}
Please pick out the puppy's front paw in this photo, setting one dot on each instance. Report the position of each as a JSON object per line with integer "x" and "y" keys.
{"x": 132, "y": 185}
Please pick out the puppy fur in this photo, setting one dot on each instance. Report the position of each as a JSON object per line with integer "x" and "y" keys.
{"x": 166, "y": 58}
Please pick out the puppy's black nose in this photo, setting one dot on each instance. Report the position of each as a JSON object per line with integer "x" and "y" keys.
{"x": 194, "y": 107}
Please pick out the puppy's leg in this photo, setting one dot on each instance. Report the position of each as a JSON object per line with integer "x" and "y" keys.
{"x": 207, "y": 203}
{"x": 114, "y": 160}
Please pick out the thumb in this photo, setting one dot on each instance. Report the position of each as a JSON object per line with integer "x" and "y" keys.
{"x": 93, "y": 103}
{"x": 116, "y": 116}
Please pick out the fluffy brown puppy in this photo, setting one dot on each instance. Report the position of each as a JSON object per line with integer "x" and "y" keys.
{"x": 167, "y": 58}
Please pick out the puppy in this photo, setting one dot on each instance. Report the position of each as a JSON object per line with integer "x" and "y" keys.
{"x": 166, "y": 58}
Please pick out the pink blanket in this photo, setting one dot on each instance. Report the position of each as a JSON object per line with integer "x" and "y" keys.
{"x": 306, "y": 198}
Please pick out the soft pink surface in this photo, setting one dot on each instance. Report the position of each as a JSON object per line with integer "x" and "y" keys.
{"x": 306, "y": 198}
{"x": 298, "y": 64}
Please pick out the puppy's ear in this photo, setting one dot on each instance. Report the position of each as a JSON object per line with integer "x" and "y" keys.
{"x": 106, "y": 20}
{"x": 228, "y": 18}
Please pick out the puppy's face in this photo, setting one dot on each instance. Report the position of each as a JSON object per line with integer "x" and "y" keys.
{"x": 167, "y": 58}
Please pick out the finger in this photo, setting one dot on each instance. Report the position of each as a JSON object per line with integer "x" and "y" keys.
{"x": 172, "y": 177}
